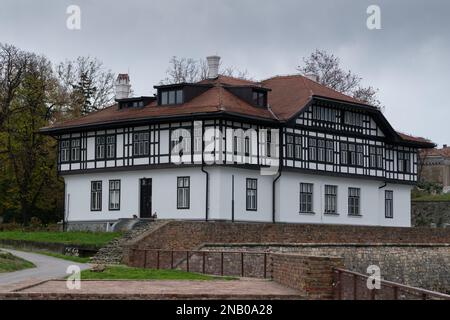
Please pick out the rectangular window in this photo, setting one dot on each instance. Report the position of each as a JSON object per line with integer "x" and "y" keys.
{"x": 259, "y": 98}
{"x": 298, "y": 148}
{"x": 198, "y": 141}
{"x": 183, "y": 192}
{"x": 389, "y": 204}
{"x": 100, "y": 147}
{"x": 312, "y": 147}
{"x": 164, "y": 97}
{"x": 169, "y": 97}
{"x": 96, "y": 196}
{"x": 64, "y": 150}
{"x": 247, "y": 146}
{"x": 306, "y": 197}
{"x": 404, "y": 162}
{"x": 352, "y": 154}
{"x": 289, "y": 146}
{"x": 114, "y": 195}
{"x": 354, "y": 197}
{"x": 330, "y": 199}
{"x": 75, "y": 149}
{"x": 353, "y": 119}
{"x": 140, "y": 144}
{"x": 329, "y": 151}
{"x": 180, "y": 141}
{"x": 321, "y": 150}
{"x": 251, "y": 194}
{"x": 376, "y": 157}
{"x": 110, "y": 147}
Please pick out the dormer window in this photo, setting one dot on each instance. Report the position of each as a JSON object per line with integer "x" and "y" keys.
{"x": 169, "y": 97}
{"x": 259, "y": 98}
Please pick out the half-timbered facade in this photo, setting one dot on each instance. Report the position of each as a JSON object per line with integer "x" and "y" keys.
{"x": 286, "y": 149}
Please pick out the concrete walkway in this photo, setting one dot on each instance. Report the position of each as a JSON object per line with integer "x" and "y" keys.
{"x": 46, "y": 268}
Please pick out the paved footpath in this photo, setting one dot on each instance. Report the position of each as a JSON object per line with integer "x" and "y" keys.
{"x": 46, "y": 268}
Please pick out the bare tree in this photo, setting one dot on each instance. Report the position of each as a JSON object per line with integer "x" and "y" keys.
{"x": 326, "y": 67}
{"x": 87, "y": 86}
{"x": 190, "y": 70}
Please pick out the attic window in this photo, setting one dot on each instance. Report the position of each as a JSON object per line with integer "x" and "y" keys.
{"x": 168, "y": 97}
{"x": 131, "y": 104}
{"x": 259, "y": 98}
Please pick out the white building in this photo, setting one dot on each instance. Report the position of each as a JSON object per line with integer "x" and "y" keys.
{"x": 286, "y": 149}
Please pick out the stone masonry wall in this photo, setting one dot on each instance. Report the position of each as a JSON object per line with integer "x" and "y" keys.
{"x": 423, "y": 266}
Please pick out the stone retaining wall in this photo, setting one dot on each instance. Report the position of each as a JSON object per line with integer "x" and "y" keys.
{"x": 423, "y": 266}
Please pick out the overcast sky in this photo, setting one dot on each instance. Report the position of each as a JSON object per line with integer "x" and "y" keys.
{"x": 408, "y": 59}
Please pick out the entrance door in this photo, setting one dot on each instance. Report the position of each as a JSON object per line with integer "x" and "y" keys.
{"x": 146, "y": 198}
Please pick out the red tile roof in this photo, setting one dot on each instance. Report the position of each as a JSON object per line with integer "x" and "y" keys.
{"x": 290, "y": 94}
{"x": 287, "y": 96}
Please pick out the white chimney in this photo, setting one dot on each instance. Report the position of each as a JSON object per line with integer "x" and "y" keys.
{"x": 213, "y": 66}
{"x": 122, "y": 86}
{"x": 312, "y": 77}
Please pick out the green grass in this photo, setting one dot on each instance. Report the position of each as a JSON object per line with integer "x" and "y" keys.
{"x": 9, "y": 263}
{"x": 431, "y": 197}
{"x": 127, "y": 273}
{"x": 64, "y": 257}
{"x": 72, "y": 238}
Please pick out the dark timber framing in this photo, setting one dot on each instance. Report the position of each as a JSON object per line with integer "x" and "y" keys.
{"x": 369, "y": 132}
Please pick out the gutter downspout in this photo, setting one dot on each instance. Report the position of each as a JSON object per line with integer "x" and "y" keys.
{"x": 206, "y": 173}
{"x": 273, "y": 195}
{"x": 280, "y": 157}
{"x": 207, "y": 193}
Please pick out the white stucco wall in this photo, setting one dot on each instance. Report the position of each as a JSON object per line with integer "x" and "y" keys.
{"x": 164, "y": 199}
{"x": 372, "y": 201}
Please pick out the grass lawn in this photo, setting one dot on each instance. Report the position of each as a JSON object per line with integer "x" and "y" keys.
{"x": 73, "y": 238}
{"x": 127, "y": 273}
{"x": 9, "y": 263}
{"x": 431, "y": 197}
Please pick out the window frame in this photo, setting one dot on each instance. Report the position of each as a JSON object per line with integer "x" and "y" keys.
{"x": 183, "y": 188}
{"x": 354, "y": 202}
{"x": 251, "y": 191}
{"x": 171, "y": 97}
{"x": 389, "y": 204}
{"x": 105, "y": 146}
{"x": 405, "y": 162}
{"x": 306, "y": 198}
{"x": 98, "y": 192}
{"x": 330, "y": 197}
{"x": 67, "y": 151}
{"x": 114, "y": 189}
{"x": 143, "y": 144}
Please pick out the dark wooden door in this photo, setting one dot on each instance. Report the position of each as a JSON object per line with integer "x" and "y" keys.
{"x": 146, "y": 198}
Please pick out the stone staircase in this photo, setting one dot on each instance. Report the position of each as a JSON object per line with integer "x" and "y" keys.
{"x": 113, "y": 252}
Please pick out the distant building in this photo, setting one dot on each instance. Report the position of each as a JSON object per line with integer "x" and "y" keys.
{"x": 435, "y": 166}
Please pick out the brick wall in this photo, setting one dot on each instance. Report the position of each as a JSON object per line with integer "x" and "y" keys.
{"x": 191, "y": 234}
{"x": 312, "y": 276}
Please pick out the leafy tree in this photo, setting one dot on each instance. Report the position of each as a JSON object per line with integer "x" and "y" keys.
{"x": 326, "y": 67}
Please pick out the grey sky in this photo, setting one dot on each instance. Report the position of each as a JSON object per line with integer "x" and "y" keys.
{"x": 408, "y": 59}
